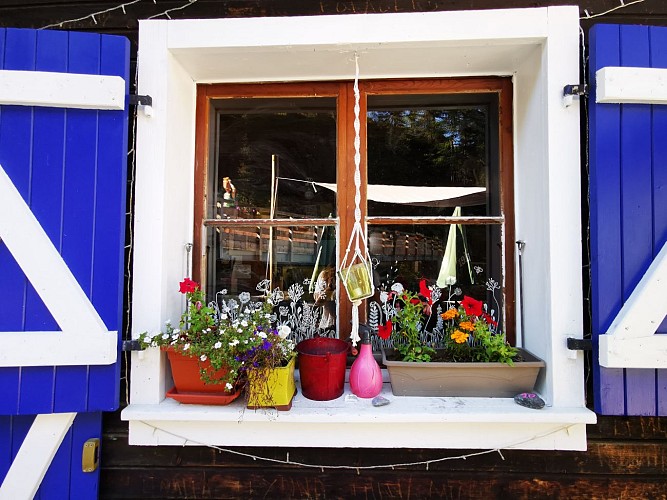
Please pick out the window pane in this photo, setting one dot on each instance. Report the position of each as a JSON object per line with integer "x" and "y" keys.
{"x": 409, "y": 253}
{"x": 430, "y": 153}
{"x": 303, "y": 268}
{"x": 284, "y": 144}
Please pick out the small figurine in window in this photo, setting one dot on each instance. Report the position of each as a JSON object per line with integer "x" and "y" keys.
{"x": 229, "y": 205}
{"x": 325, "y": 297}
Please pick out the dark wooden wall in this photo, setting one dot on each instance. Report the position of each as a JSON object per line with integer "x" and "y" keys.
{"x": 626, "y": 457}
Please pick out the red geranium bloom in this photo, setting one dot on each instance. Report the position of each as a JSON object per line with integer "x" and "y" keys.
{"x": 472, "y": 307}
{"x": 384, "y": 331}
{"x": 425, "y": 291}
{"x": 189, "y": 286}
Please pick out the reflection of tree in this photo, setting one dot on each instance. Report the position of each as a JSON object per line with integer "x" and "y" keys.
{"x": 428, "y": 147}
{"x": 305, "y": 143}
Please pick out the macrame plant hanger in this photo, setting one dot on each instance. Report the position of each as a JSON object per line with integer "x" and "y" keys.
{"x": 357, "y": 273}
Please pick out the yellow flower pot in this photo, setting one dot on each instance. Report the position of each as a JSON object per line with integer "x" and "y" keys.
{"x": 273, "y": 389}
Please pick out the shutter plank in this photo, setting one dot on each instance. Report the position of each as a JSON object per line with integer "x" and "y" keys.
{"x": 46, "y": 204}
{"x": 605, "y": 218}
{"x": 15, "y": 147}
{"x": 79, "y": 198}
{"x": 110, "y": 210}
{"x": 56, "y": 482}
{"x": 637, "y": 230}
{"x": 658, "y": 39}
{"x": 86, "y": 426}
{"x": 5, "y": 433}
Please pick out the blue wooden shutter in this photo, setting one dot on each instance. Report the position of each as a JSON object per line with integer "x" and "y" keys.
{"x": 628, "y": 208}
{"x": 69, "y": 165}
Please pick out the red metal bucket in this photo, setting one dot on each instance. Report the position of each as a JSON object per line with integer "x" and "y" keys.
{"x": 322, "y": 367}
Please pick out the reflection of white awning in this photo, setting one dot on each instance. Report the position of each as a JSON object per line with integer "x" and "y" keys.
{"x": 422, "y": 195}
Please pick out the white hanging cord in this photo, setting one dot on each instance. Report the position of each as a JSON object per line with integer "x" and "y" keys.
{"x": 357, "y": 236}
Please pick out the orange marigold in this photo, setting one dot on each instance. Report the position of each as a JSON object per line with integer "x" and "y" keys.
{"x": 466, "y": 325}
{"x": 449, "y": 314}
{"x": 459, "y": 337}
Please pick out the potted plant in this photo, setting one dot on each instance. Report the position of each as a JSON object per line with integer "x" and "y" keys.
{"x": 217, "y": 345}
{"x": 269, "y": 365}
{"x": 463, "y": 353}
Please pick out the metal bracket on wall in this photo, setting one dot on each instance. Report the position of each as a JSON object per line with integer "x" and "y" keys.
{"x": 145, "y": 101}
{"x": 132, "y": 345}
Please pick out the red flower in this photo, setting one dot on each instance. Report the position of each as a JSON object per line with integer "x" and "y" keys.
{"x": 384, "y": 331}
{"x": 489, "y": 320}
{"x": 189, "y": 286}
{"x": 415, "y": 301}
{"x": 425, "y": 291}
{"x": 472, "y": 307}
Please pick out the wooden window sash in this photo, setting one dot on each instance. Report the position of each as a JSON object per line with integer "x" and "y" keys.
{"x": 209, "y": 96}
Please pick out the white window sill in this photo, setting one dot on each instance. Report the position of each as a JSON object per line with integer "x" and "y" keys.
{"x": 407, "y": 422}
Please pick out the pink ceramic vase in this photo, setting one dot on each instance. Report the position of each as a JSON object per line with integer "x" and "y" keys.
{"x": 365, "y": 374}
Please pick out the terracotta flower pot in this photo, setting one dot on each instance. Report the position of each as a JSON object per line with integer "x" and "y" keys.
{"x": 188, "y": 385}
{"x": 441, "y": 379}
{"x": 274, "y": 389}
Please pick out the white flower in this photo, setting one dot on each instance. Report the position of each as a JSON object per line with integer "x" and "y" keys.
{"x": 229, "y": 386}
{"x": 203, "y": 357}
{"x": 244, "y": 323}
{"x": 397, "y": 287}
{"x": 176, "y": 330}
{"x": 217, "y": 345}
{"x": 261, "y": 335}
{"x": 174, "y": 336}
{"x": 165, "y": 336}
{"x": 240, "y": 330}
{"x": 233, "y": 342}
{"x": 244, "y": 297}
{"x": 284, "y": 331}
{"x": 186, "y": 347}
{"x": 383, "y": 297}
{"x": 168, "y": 322}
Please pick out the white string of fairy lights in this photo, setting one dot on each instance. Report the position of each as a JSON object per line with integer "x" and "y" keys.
{"x": 622, "y": 5}
{"x": 94, "y": 15}
{"x": 359, "y": 468}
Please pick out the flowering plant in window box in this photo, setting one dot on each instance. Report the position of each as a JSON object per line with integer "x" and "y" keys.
{"x": 450, "y": 347}
{"x": 225, "y": 339}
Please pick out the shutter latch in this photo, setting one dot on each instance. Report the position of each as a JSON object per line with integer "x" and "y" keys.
{"x": 579, "y": 344}
{"x": 570, "y": 91}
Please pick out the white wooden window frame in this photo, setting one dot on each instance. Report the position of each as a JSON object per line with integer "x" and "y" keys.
{"x": 539, "y": 48}
{"x": 631, "y": 340}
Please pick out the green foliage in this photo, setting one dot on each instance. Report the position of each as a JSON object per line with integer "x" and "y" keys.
{"x": 408, "y": 319}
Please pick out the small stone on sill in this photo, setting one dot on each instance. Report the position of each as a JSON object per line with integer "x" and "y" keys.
{"x": 380, "y": 401}
{"x": 529, "y": 400}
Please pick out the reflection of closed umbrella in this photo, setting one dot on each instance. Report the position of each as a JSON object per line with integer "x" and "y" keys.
{"x": 447, "y": 274}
